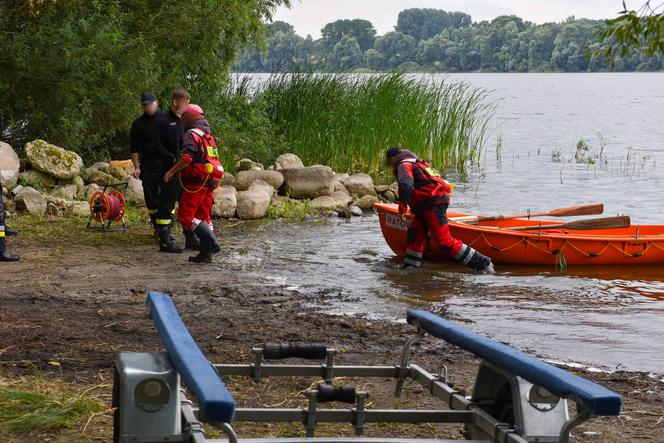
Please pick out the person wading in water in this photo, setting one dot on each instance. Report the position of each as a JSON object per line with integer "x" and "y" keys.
{"x": 428, "y": 195}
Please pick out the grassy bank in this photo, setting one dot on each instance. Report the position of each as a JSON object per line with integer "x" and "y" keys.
{"x": 347, "y": 121}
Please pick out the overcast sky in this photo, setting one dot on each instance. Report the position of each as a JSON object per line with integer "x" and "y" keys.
{"x": 309, "y": 16}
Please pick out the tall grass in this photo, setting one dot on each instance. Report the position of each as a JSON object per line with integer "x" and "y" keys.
{"x": 347, "y": 121}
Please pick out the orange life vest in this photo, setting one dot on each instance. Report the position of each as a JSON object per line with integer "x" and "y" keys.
{"x": 205, "y": 167}
{"x": 430, "y": 188}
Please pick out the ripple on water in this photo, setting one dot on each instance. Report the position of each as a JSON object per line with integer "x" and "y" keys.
{"x": 583, "y": 315}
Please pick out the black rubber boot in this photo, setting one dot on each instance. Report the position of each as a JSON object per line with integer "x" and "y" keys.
{"x": 474, "y": 260}
{"x": 412, "y": 260}
{"x": 209, "y": 244}
{"x": 4, "y": 255}
{"x": 167, "y": 240}
{"x": 10, "y": 232}
{"x": 191, "y": 241}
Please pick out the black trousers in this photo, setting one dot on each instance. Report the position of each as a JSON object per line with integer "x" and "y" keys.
{"x": 160, "y": 197}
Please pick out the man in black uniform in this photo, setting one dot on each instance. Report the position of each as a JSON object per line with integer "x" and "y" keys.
{"x": 174, "y": 134}
{"x": 152, "y": 158}
{"x": 4, "y": 255}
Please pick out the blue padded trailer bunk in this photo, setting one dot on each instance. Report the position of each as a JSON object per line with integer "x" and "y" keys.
{"x": 516, "y": 397}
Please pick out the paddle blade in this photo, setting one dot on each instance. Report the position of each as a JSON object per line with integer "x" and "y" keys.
{"x": 594, "y": 209}
{"x": 620, "y": 222}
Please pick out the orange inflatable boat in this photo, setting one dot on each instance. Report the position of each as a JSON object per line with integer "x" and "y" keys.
{"x": 633, "y": 245}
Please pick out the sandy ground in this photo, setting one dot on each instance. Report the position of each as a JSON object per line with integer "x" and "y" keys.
{"x": 78, "y": 298}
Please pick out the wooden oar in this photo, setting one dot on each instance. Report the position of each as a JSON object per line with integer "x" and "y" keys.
{"x": 619, "y": 222}
{"x": 574, "y": 211}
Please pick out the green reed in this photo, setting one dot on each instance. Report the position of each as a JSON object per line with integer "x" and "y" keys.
{"x": 347, "y": 121}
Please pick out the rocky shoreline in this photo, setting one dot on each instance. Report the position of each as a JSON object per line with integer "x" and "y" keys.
{"x": 53, "y": 181}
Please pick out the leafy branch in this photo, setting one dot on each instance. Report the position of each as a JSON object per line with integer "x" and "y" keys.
{"x": 642, "y": 28}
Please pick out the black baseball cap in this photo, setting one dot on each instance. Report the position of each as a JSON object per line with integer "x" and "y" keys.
{"x": 392, "y": 152}
{"x": 147, "y": 98}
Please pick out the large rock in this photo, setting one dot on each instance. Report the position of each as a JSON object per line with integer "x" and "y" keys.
{"x": 355, "y": 211}
{"x": 78, "y": 182}
{"x": 360, "y": 185}
{"x": 324, "y": 203}
{"x": 68, "y": 192}
{"x": 341, "y": 177}
{"x": 36, "y": 179}
{"x": 135, "y": 193}
{"x": 228, "y": 179}
{"x": 53, "y": 160}
{"x": 339, "y": 187}
{"x": 29, "y": 199}
{"x": 247, "y": 164}
{"x": 253, "y": 203}
{"x": 100, "y": 165}
{"x": 117, "y": 172}
{"x": 225, "y": 202}
{"x": 79, "y": 209}
{"x": 88, "y": 191}
{"x": 288, "y": 161}
{"x": 102, "y": 178}
{"x": 9, "y": 165}
{"x": 244, "y": 179}
{"x": 342, "y": 198}
{"x": 367, "y": 202}
{"x": 311, "y": 182}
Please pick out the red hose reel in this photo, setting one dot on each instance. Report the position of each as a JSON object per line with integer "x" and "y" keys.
{"x": 108, "y": 207}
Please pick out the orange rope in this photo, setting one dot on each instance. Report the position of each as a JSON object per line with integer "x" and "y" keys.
{"x": 566, "y": 243}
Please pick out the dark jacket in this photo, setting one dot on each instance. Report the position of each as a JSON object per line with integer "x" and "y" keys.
{"x": 405, "y": 178}
{"x": 173, "y": 133}
{"x": 146, "y": 138}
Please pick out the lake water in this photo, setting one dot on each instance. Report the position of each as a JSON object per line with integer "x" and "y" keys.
{"x": 604, "y": 317}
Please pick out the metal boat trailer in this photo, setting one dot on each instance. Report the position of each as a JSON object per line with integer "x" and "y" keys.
{"x": 516, "y": 397}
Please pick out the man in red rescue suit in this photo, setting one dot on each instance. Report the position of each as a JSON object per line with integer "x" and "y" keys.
{"x": 426, "y": 193}
{"x": 200, "y": 173}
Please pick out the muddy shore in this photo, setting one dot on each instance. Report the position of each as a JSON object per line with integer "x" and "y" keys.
{"x": 77, "y": 298}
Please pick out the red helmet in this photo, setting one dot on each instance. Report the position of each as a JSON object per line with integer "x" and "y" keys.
{"x": 193, "y": 109}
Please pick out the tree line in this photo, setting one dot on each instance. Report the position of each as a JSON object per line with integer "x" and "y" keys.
{"x": 432, "y": 40}
{"x": 71, "y": 71}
